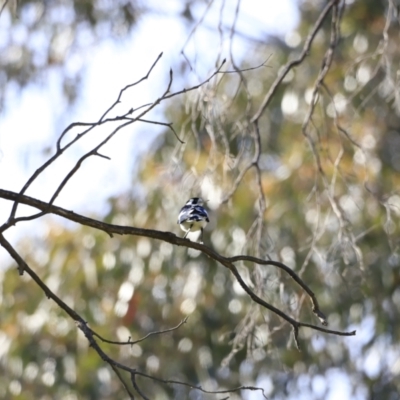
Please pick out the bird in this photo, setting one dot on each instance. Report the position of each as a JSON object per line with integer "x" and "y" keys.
{"x": 193, "y": 217}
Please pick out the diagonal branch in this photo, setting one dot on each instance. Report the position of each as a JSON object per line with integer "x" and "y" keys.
{"x": 89, "y": 334}
{"x": 131, "y": 85}
{"x": 175, "y": 240}
{"x": 316, "y": 309}
{"x": 90, "y": 126}
{"x": 294, "y": 63}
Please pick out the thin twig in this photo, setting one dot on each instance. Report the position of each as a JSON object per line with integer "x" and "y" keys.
{"x": 316, "y": 309}
{"x": 132, "y": 342}
{"x": 135, "y": 385}
{"x": 131, "y": 85}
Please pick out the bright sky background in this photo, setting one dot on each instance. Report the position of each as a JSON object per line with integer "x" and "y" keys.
{"x": 33, "y": 121}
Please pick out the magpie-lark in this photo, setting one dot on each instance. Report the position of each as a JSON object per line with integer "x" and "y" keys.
{"x": 193, "y": 217}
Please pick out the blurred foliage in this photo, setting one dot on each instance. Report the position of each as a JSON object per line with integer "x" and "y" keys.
{"x": 37, "y": 36}
{"x": 338, "y": 229}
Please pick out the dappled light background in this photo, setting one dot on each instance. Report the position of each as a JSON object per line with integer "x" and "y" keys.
{"x": 315, "y": 187}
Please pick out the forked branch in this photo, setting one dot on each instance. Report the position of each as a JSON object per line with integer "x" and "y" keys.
{"x": 173, "y": 239}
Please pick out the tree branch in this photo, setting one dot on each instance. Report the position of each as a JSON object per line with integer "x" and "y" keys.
{"x": 89, "y": 333}
{"x": 291, "y": 64}
{"x": 131, "y": 342}
{"x": 169, "y": 237}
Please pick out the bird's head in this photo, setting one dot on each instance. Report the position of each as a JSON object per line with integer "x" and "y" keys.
{"x": 195, "y": 201}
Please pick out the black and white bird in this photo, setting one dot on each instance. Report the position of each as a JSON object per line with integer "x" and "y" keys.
{"x": 193, "y": 216}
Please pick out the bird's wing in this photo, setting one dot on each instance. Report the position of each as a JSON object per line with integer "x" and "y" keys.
{"x": 183, "y": 214}
{"x": 197, "y": 213}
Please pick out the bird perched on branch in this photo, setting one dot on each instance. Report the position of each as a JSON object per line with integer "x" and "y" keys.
{"x": 193, "y": 217}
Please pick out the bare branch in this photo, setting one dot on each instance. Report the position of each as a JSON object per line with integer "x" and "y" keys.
{"x": 236, "y": 70}
{"x": 198, "y": 85}
{"x": 173, "y": 239}
{"x": 168, "y": 125}
{"x": 133, "y": 380}
{"x": 89, "y": 334}
{"x": 93, "y": 152}
{"x": 131, "y": 85}
{"x": 126, "y": 387}
{"x": 316, "y": 310}
{"x": 60, "y": 150}
{"x": 131, "y": 342}
{"x": 291, "y": 64}
{"x": 173, "y": 382}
